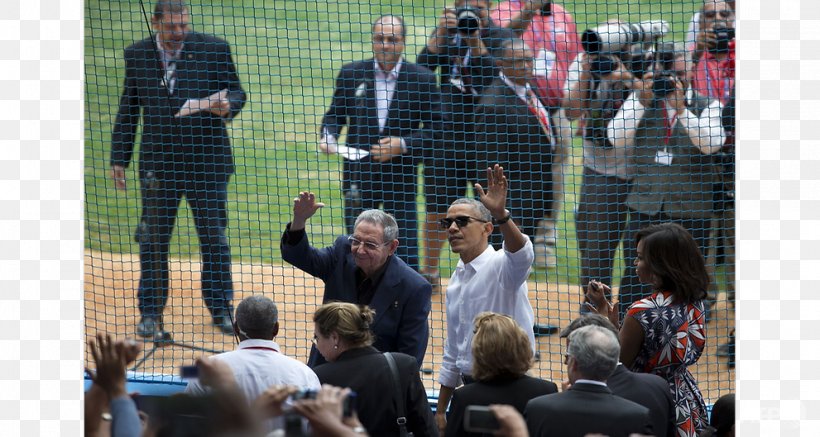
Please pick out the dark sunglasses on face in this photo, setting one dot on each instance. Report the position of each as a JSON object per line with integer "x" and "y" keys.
{"x": 460, "y": 221}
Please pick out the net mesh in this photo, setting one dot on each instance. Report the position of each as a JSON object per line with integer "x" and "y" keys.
{"x": 210, "y": 191}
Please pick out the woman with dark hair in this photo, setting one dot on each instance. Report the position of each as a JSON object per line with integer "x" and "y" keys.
{"x": 343, "y": 336}
{"x": 665, "y": 332}
{"x": 502, "y": 355}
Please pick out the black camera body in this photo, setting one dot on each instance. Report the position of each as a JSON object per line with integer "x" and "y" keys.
{"x": 664, "y": 78}
{"x": 469, "y": 20}
{"x": 723, "y": 35}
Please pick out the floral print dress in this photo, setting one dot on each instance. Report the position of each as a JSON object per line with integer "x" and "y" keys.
{"x": 674, "y": 338}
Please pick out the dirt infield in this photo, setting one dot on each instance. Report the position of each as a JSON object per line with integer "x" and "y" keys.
{"x": 111, "y": 306}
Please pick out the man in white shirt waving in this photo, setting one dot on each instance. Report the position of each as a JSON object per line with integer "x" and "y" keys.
{"x": 485, "y": 279}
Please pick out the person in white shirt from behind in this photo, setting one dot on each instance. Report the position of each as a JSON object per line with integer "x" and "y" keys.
{"x": 485, "y": 279}
{"x": 258, "y": 362}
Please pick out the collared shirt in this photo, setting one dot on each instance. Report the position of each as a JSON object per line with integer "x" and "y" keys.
{"x": 385, "y": 87}
{"x": 259, "y": 364}
{"x": 589, "y": 381}
{"x": 366, "y": 285}
{"x": 494, "y": 281}
{"x": 530, "y": 97}
{"x": 706, "y": 130}
{"x": 169, "y": 64}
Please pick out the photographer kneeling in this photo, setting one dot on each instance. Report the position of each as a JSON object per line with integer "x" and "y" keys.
{"x": 670, "y": 134}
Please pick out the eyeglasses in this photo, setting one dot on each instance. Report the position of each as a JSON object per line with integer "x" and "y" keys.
{"x": 460, "y": 221}
{"x": 355, "y": 242}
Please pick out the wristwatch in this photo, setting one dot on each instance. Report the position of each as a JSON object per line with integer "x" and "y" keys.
{"x": 503, "y": 220}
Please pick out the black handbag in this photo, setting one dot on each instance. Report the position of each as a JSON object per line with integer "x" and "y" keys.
{"x": 401, "y": 420}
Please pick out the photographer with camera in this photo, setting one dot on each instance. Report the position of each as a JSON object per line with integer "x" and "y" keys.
{"x": 714, "y": 72}
{"x": 670, "y": 133}
{"x": 598, "y": 83}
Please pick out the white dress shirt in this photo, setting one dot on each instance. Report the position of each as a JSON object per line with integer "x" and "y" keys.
{"x": 523, "y": 92}
{"x": 706, "y": 131}
{"x": 257, "y": 365}
{"x": 385, "y": 87}
{"x": 494, "y": 281}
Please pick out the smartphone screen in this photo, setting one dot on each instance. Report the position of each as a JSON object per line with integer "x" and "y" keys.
{"x": 479, "y": 418}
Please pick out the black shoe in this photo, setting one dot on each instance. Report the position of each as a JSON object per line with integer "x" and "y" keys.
{"x": 148, "y": 327}
{"x": 224, "y": 324}
{"x": 542, "y": 330}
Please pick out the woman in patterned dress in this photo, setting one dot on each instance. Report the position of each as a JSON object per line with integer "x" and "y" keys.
{"x": 665, "y": 332}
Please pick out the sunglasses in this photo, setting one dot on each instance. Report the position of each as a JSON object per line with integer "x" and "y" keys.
{"x": 460, "y": 221}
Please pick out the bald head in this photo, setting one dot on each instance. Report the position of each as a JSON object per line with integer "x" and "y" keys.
{"x": 388, "y": 41}
{"x": 515, "y": 60}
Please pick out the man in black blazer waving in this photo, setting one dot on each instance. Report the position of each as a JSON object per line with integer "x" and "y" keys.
{"x": 392, "y": 113}
{"x": 184, "y": 87}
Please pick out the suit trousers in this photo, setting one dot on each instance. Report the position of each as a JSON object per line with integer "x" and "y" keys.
{"x": 599, "y": 224}
{"x": 160, "y": 204}
{"x": 631, "y": 289}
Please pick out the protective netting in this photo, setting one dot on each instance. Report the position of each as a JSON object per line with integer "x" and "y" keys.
{"x": 217, "y": 138}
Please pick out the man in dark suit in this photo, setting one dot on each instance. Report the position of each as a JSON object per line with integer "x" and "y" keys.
{"x": 362, "y": 269}
{"x": 391, "y": 110}
{"x": 184, "y": 87}
{"x": 645, "y": 389}
{"x": 512, "y": 126}
{"x": 588, "y": 406}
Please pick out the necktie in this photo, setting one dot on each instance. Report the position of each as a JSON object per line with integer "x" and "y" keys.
{"x": 539, "y": 111}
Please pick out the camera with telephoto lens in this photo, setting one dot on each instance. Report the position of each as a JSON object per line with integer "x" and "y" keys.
{"x": 723, "y": 35}
{"x": 469, "y": 20}
{"x": 617, "y": 37}
{"x": 664, "y": 77}
{"x": 637, "y": 60}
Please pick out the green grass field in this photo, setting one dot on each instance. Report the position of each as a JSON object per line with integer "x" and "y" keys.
{"x": 287, "y": 54}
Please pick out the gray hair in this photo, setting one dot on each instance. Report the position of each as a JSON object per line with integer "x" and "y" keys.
{"x": 256, "y": 317}
{"x": 595, "y": 350}
{"x": 482, "y": 210}
{"x": 588, "y": 319}
{"x": 380, "y": 218}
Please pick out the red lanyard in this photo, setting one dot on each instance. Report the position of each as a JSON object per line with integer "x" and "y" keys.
{"x": 261, "y": 348}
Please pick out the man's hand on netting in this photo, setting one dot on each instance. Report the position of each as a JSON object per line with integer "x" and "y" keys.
{"x": 495, "y": 198}
{"x": 304, "y": 206}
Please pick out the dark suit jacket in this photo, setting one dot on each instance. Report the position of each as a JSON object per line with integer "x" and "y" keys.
{"x": 649, "y": 390}
{"x": 402, "y": 298}
{"x": 366, "y": 372}
{"x": 415, "y": 102}
{"x": 195, "y": 147}
{"x": 511, "y": 391}
{"x": 585, "y": 408}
